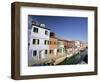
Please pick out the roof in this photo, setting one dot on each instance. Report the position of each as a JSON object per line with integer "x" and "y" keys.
{"x": 41, "y": 26}
{"x": 53, "y": 37}
{"x": 65, "y": 40}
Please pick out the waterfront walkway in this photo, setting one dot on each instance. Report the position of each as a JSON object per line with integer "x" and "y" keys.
{"x": 65, "y": 59}
{"x": 57, "y": 61}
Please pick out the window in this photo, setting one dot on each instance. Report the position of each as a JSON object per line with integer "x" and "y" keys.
{"x": 59, "y": 50}
{"x": 51, "y": 51}
{"x": 35, "y": 30}
{"x": 38, "y": 41}
{"x": 46, "y": 32}
{"x": 46, "y": 51}
{"x": 46, "y": 42}
{"x": 35, "y": 41}
{"x": 34, "y": 53}
{"x": 55, "y": 43}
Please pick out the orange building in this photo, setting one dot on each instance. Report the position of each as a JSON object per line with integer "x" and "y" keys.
{"x": 53, "y": 44}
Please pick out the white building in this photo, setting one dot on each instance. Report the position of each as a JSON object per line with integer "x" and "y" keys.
{"x": 77, "y": 46}
{"x": 38, "y": 44}
{"x": 83, "y": 46}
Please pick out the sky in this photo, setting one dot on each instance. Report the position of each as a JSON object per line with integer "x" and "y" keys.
{"x": 69, "y": 28}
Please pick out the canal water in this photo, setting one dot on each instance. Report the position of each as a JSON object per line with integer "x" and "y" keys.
{"x": 80, "y": 58}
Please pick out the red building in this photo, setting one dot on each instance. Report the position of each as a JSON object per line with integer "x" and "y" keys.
{"x": 69, "y": 44}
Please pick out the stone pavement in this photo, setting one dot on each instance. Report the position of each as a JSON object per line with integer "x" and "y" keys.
{"x": 55, "y": 59}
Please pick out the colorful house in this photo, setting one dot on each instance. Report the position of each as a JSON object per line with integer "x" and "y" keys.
{"x": 77, "y": 46}
{"x": 61, "y": 49}
{"x": 83, "y": 46}
{"x": 53, "y": 44}
{"x": 69, "y": 47}
{"x": 42, "y": 43}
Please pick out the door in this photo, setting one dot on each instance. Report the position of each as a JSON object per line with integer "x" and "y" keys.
{"x": 41, "y": 54}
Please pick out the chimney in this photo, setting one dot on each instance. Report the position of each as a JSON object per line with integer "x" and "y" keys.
{"x": 42, "y": 25}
